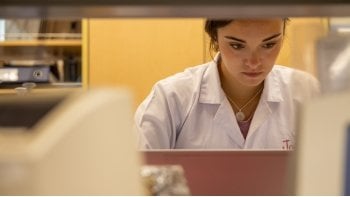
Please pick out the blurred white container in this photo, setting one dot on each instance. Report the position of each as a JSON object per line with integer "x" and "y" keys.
{"x": 2, "y": 29}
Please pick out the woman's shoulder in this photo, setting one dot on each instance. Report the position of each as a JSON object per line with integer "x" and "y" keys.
{"x": 289, "y": 74}
{"x": 295, "y": 79}
{"x": 186, "y": 78}
{"x": 288, "y": 70}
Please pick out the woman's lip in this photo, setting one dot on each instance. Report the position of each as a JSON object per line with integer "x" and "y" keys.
{"x": 252, "y": 74}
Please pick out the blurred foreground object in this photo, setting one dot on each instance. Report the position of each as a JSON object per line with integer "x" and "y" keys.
{"x": 322, "y": 162}
{"x": 168, "y": 180}
{"x": 71, "y": 143}
{"x": 333, "y": 63}
{"x": 168, "y": 8}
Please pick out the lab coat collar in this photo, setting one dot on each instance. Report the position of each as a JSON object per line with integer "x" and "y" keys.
{"x": 211, "y": 91}
{"x": 272, "y": 88}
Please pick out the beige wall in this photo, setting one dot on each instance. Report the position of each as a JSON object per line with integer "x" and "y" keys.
{"x": 138, "y": 52}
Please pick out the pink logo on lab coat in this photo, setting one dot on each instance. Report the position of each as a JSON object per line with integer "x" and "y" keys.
{"x": 287, "y": 145}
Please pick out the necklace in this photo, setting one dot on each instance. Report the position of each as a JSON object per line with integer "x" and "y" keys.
{"x": 240, "y": 115}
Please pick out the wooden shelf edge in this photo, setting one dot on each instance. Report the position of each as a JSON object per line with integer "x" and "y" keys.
{"x": 60, "y": 42}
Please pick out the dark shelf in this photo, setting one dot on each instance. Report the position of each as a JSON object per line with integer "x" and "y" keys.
{"x": 172, "y": 8}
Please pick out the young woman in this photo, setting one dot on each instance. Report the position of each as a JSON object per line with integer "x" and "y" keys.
{"x": 240, "y": 100}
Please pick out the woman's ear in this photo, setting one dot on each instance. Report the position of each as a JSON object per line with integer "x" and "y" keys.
{"x": 216, "y": 46}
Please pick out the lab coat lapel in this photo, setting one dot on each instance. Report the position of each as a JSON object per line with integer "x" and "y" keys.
{"x": 262, "y": 113}
{"x": 224, "y": 120}
{"x": 268, "y": 103}
{"x": 212, "y": 93}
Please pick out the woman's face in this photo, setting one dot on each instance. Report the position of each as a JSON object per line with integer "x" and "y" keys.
{"x": 249, "y": 49}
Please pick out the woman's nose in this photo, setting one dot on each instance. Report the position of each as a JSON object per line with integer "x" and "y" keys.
{"x": 253, "y": 60}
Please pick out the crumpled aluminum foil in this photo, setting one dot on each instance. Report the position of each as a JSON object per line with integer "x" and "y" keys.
{"x": 165, "y": 180}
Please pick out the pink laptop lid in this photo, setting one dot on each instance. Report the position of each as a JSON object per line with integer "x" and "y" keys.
{"x": 233, "y": 172}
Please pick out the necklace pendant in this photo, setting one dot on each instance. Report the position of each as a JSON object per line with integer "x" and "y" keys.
{"x": 240, "y": 116}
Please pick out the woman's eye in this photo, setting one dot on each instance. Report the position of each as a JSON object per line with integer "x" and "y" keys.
{"x": 269, "y": 45}
{"x": 237, "y": 46}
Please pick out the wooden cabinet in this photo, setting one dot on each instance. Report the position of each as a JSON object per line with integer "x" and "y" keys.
{"x": 136, "y": 53}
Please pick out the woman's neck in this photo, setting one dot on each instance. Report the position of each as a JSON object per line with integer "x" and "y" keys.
{"x": 235, "y": 90}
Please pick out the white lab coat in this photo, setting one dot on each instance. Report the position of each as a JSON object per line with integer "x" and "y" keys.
{"x": 189, "y": 110}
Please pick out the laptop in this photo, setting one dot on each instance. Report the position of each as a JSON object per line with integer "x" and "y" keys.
{"x": 228, "y": 172}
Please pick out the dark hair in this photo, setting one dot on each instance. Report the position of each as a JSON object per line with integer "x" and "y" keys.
{"x": 212, "y": 26}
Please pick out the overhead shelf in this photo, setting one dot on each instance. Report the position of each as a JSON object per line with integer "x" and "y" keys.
{"x": 172, "y": 8}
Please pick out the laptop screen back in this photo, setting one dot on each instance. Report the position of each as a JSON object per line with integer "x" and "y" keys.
{"x": 235, "y": 172}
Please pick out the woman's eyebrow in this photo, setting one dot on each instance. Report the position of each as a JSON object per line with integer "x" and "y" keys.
{"x": 236, "y": 39}
{"x": 271, "y": 37}
{"x": 264, "y": 40}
